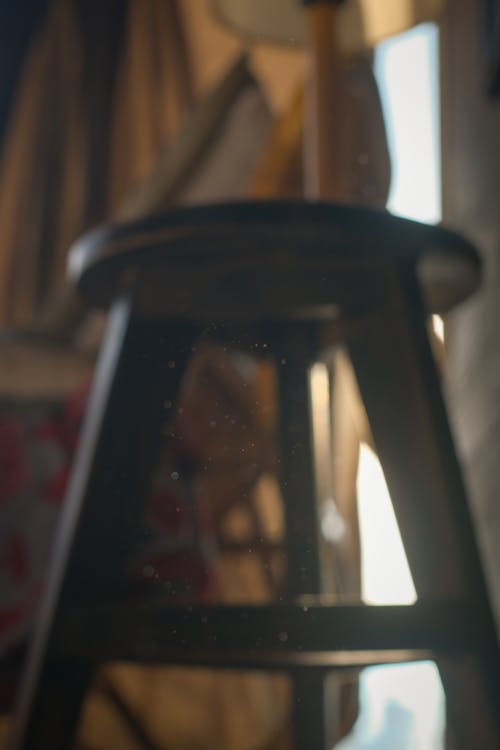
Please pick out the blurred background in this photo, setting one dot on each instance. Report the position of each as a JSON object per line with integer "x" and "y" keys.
{"x": 116, "y": 110}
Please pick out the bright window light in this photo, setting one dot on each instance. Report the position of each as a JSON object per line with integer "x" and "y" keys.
{"x": 406, "y": 71}
{"x": 401, "y": 706}
{"x": 385, "y": 575}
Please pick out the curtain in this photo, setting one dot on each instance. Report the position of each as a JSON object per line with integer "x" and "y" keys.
{"x": 103, "y": 87}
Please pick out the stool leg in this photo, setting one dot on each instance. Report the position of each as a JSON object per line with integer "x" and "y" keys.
{"x": 309, "y": 720}
{"x": 140, "y": 367}
{"x": 294, "y": 349}
{"x": 53, "y": 719}
{"x": 295, "y": 352}
{"x": 401, "y": 391}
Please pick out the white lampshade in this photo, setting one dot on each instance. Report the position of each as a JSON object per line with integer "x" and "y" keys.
{"x": 359, "y": 23}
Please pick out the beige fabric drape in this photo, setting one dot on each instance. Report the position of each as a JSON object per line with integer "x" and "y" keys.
{"x": 57, "y": 177}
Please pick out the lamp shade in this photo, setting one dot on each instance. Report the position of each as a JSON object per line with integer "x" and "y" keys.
{"x": 360, "y": 23}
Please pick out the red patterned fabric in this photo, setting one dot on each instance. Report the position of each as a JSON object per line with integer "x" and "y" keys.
{"x": 36, "y": 451}
{"x": 12, "y": 459}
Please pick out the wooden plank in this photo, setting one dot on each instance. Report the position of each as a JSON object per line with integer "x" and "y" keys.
{"x": 283, "y": 634}
{"x": 401, "y": 391}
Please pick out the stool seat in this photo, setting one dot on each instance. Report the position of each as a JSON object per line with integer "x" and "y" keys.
{"x": 271, "y": 259}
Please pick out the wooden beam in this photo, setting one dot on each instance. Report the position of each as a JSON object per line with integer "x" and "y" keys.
{"x": 278, "y": 635}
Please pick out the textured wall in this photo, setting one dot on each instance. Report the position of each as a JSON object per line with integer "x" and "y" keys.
{"x": 471, "y": 170}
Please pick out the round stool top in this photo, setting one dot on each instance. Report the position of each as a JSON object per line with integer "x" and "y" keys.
{"x": 269, "y": 259}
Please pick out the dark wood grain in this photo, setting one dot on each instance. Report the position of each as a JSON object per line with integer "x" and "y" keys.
{"x": 401, "y": 391}
{"x": 268, "y": 259}
{"x": 102, "y": 518}
{"x": 295, "y": 349}
{"x": 308, "y": 631}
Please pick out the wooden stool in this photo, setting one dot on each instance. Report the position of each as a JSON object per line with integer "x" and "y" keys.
{"x": 304, "y": 276}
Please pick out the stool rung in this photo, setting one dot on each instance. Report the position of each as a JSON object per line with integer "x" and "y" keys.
{"x": 270, "y": 636}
